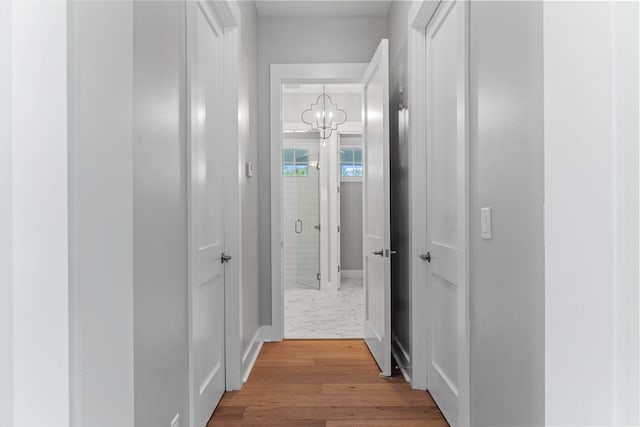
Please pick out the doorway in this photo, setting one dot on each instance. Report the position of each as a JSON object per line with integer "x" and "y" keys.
{"x": 295, "y": 76}
{"x": 321, "y": 147}
{"x": 373, "y": 79}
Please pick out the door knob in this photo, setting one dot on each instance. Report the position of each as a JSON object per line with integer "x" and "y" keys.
{"x": 426, "y": 257}
{"x": 225, "y": 258}
{"x": 380, "y": 252}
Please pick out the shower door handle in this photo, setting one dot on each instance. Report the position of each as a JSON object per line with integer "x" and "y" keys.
{"x": 299, "y": 226}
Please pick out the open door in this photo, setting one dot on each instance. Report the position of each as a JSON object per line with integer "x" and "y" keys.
{"x": 206, "y": 214}
{"x": 376, "y": 208}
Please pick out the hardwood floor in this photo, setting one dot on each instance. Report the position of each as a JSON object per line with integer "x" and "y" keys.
{"x": 328, "y": 383}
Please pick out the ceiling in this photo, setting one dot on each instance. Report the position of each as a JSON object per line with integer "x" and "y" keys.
{"x": 317, "y": 88}
{"x": 323, "y": 7}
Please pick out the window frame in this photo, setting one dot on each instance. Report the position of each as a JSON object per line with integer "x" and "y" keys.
{"x": 353, "y": 162}
{"x": 295, "y": 162}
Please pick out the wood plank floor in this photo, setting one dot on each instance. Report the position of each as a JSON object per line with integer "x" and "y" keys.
{"x": 328, "y": 383}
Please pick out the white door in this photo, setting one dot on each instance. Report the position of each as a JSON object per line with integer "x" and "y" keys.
{"x": 206, "y": 216}
{"x": 376, "y": 214}
{"x": 447, "y": 208}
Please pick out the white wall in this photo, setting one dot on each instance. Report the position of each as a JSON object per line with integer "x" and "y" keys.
{"x": 101, "y": 212}
{"x": 300, "y": 40}
{"x": 399, "y": 170}
{"x": 591, "y": 212}
{"x": 159, "y": 206}
{"x": 6, "y": 220}
{"x": 125, "y": 67}
{"x": 506, "y": 174}
{"x": 40, "y": 214}
{"x": 248, "y": 135}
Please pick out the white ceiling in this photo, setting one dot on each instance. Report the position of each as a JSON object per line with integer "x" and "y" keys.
{"x": 323, "y": 7}
{"x": 317, "y": 88}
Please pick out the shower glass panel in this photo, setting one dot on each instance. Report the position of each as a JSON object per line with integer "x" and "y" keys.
{"x": 302, "y": 212}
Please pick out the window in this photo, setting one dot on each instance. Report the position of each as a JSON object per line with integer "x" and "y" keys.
{"x": 295, "y": 162}
{"x": 351, "y": 161}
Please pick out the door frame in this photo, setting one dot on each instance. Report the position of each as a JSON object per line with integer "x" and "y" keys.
{"x": 280, "y": 74}
{"x": 337, "y": 233}
{"x": 420, "y": 15}
{"x": 227, "y": 12}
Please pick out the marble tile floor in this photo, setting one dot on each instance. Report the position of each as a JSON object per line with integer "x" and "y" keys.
{"x": 310, "y": 313}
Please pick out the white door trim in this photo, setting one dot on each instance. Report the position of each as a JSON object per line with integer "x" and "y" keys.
{"x": 420, "y": 15}
{"x": 291, "y": 73}
{"x": 228, "y": 14}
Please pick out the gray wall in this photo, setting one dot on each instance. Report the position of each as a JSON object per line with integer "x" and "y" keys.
{"x": 159, "y": 194}
{"x": 351, "y": 225}
{"x": 6, "y": 221}
{"x": 101, "y": 213}
{"x": 506, "y": 162}
{"x": 128, "y": 209}
{"x": 399, "y": 170}
{"x": 248, "y": 135}
{"x": 506, "y": 167}
{"x": 300, "y": 40}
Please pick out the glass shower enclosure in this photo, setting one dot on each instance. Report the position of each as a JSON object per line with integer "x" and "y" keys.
{"x": 301, "y": 205}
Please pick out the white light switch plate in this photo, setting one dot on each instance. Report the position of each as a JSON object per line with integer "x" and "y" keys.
{"x": 485, "y": 223}
{"x": 249, "y": 169}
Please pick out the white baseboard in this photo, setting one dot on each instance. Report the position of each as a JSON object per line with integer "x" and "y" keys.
{"x": 402, "y": 357}
{"x": 251, "y": 354}
{"x": 351, "y": 274}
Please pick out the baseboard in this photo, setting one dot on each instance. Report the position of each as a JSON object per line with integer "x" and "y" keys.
{"x": 402, "y": 357}
{"x": 351, "y": 274}
{"x": 251, "y": 354}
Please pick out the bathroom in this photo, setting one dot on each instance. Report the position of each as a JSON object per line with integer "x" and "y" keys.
{"x": 322, "y": 170}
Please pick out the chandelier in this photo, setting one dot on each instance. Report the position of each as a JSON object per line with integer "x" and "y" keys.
{"x": 324, "y": 116}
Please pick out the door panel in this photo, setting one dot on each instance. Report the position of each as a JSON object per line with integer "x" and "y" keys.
{"x": 206, "y": 231}
{"x": 376, "y": 215}
{"x": 446, "y": 205}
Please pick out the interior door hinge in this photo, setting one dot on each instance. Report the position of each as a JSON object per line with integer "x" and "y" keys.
{"x": 338, "y": 229}
{"x": 318, "y": 276}
{"x": 338, "y": 189}
{"x": 338, "y": 269}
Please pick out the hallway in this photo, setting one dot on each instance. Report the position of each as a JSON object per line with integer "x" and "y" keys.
{"x": 478, "y": 172}
{"x": 324, "y": 383}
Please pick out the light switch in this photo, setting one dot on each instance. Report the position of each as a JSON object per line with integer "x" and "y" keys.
{"x": 485, "y": 223}
{"x": 249, "y": 169}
